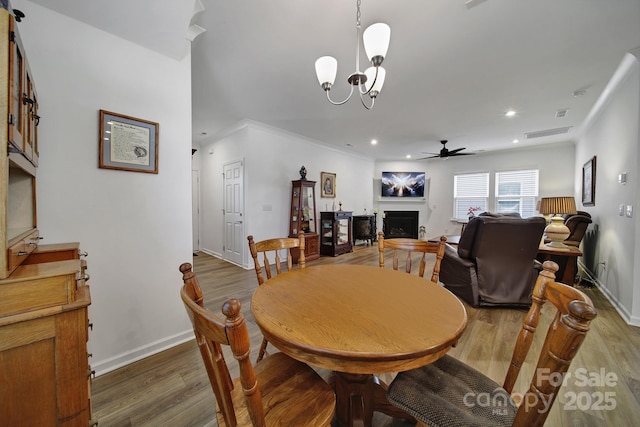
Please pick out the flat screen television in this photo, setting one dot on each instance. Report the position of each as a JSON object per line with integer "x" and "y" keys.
{"x": 403, "y": 184}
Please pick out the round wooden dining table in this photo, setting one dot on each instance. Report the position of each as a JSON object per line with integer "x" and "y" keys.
{"x": 358, "y": 321}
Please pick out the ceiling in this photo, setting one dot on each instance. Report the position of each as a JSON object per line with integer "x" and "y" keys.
{"x": 453, "y": 69}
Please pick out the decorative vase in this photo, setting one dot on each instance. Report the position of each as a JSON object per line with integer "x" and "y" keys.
{"x": 557, "y": 232}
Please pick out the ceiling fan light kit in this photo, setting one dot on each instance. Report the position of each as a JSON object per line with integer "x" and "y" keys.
{"x": 376, "y": 43}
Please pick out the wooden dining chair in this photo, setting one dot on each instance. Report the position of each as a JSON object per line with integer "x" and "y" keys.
{"x": 270, "y": 250}
{"x": 449, "y": 392}
{"x": 278, "y": 391}
{"x": 408, "y": 248}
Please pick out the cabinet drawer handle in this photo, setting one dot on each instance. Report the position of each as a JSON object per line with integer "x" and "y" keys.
{"x": 91, "y": 373}
{"x": 22, "y": 253}
{"x": 93, "y": 423}
{"x": 83, "y": 254}
{"x": 90, "y": 326}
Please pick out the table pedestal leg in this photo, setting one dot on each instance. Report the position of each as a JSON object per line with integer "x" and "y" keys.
{"x": 358, "y": 396}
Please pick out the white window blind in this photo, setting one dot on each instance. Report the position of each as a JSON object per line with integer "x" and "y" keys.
{"x": 517, "y": 191}
{"x": 470, "y": 191}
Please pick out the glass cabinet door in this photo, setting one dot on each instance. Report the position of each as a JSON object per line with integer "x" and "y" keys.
{"x": 308, "y": 223}
{"x": 343, "y": 231}
{"x": 295, "y": 213}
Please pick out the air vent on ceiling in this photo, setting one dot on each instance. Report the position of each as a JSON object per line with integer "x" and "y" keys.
{"x": 547, "y": 132}
{"x": 561, "y": 113}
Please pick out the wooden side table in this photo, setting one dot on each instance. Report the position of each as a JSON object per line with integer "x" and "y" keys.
{"x": 570, "y": 255}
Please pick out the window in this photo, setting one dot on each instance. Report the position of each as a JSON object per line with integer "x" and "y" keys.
{"x": 470, "y": 191}
{"x": 517, "y": 191}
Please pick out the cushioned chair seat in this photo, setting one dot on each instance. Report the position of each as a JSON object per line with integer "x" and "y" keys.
{"x": 433, "y": 393}
{"x": 450, "y": 393}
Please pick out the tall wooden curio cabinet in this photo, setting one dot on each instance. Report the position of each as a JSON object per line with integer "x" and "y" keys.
{"x": 303, "y": 218}
{"x": 45, "y": 376}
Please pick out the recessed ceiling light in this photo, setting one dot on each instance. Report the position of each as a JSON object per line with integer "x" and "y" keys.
{"x": 515, "y": 141}
{"x": 510, "y": 113}
{"x": 408, "y": 156}
{"x": 374, "y": 141}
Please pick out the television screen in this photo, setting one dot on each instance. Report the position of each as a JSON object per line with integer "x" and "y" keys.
{"x": 403, "y": 184}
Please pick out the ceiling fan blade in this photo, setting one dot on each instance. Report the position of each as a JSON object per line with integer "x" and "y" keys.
{"x": 456, "y": 150}
{"x": 462, "y": 154}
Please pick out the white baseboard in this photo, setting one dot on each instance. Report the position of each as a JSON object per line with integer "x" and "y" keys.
{"x": 118, "y": 361}
{"x": 622, "y": 310}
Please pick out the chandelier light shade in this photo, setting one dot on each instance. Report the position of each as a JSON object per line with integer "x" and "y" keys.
{"x": 373, "y": 84}
{"x": 376, "y": 43}
{"x": 556, "y": 231}
{"x": 326, "y": 70}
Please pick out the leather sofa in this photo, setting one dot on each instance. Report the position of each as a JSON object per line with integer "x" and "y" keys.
{"x": 495, "y": 261}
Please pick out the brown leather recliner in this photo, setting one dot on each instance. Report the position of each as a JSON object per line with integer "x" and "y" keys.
{"x": 495, "y": 261}
{"x": 577, "y": 225}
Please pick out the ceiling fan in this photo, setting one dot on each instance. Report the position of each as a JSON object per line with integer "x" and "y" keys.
{"x": 445, "y": 153}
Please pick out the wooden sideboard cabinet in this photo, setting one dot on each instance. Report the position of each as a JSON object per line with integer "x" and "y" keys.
{"x": 44, "y": 328}
{"x": 335, "y": 231}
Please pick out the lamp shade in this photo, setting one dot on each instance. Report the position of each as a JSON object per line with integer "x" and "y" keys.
{"x": 376, "y": 40}
{"x": 557, "y": 205}
{"x": 371, "y": 76}
{"x": 326, "y": 69}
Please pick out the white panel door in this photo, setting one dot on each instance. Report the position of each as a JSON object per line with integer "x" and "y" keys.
{"x": 233, "y": 212}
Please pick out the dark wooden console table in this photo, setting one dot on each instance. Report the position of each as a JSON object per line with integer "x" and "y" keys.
{"x": 365, "y": 228}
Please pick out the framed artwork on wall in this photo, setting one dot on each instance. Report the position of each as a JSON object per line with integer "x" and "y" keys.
{"x": 327, "y": 184}
{"x": 589, "y": 182}
{"x": 127, "y": 143}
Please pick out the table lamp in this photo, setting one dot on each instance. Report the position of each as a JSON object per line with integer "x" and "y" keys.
{"x": 556, "y": 231}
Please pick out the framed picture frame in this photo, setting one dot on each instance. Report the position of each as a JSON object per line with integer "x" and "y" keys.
{"x": 327, "y": 184}
{"x": 128, "y": 143}
{"x": 589, "y": 182}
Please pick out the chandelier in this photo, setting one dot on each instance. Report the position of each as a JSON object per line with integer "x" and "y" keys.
{"x": 376, "y": 42}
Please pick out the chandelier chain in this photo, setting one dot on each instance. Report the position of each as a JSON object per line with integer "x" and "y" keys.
{"x": 358, "y": 14}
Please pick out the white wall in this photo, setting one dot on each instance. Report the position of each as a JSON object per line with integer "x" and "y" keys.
{"x": 136, "y": 227}
{"x": 435, "y": 213}
{"x": 612, "y": 135}
{"x": 272, "y": 160}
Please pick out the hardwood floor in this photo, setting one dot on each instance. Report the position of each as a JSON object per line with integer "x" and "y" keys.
{"x": 172, "y": 389}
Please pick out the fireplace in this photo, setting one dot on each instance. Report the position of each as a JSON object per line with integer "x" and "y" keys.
{"x": 398, "y": 224}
